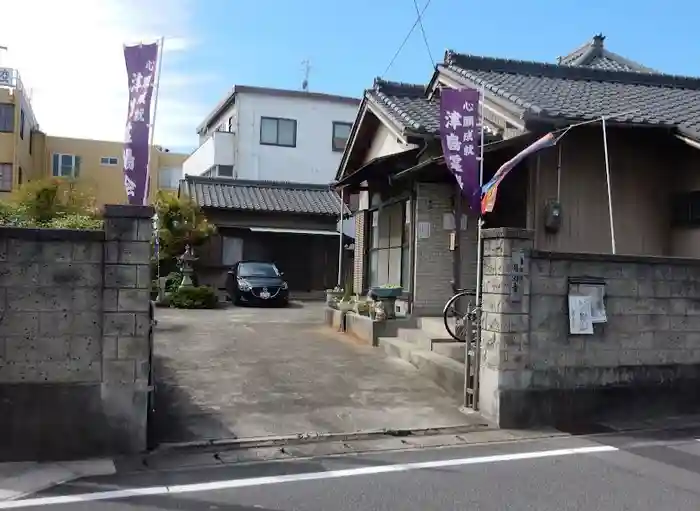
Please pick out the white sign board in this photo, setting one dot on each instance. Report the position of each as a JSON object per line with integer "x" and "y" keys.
{"x": 423, "y": 230}
{"x": 597, "y": 294}
{"x": 580, "y": 320}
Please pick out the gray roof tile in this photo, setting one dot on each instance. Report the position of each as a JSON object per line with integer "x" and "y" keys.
{"x": 556, "y": 91}
{"x": 594, "y": 55}
{"x": 262, "y": 196}
{"x": 408, "y": 106}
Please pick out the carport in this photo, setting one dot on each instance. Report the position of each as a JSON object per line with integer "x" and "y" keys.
{"x": 293, "y": 225}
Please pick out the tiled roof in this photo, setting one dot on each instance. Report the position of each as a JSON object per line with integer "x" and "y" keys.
{"x": 594, "y": 55}
{"x": 262, "y": 196}
{"x": 408, "y": 106}
{"x": 555, "y": 91}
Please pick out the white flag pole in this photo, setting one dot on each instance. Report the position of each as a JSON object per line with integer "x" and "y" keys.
{"x": 479, "y": 271}
{"x": 156, "y": 87}
{"x": 607, "y": 178}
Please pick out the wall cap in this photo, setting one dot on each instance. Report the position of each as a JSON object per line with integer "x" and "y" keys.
{"x": 508, "y": 233}
{"x": 127, "y": 211}
{"x": 613, "y": 258}
{"x": 38, "y": 234}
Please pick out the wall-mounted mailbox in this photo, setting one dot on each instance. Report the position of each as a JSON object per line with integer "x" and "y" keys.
{"x": 552, "y": 216}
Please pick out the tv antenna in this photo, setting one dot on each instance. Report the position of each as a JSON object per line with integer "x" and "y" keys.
{"x": 307, "y": 69}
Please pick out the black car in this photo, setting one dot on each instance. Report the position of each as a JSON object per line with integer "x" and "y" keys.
{"x": 257, "y": 283}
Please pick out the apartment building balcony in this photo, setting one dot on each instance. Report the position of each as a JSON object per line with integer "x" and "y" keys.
{"x": 214, "y": 158}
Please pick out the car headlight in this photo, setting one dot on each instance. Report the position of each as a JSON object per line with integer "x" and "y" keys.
{"x": 244, "y": 285}
{"x": 284, "y": 285}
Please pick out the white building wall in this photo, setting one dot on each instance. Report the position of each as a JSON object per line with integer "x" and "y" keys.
{"x": 312, "y": 160}
{"x": 217, "y": 149}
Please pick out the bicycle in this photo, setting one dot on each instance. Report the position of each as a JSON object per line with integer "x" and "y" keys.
{"x": 463, "y": 320}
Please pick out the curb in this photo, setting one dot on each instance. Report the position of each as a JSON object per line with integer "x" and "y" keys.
{"x": 35, "y": 477}
{"x": 311, "y": 438}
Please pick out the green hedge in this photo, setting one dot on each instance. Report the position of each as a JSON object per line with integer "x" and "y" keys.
{"x": 190, "y": 297}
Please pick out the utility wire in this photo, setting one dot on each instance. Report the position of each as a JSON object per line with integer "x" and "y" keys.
{"x": 393, "y": 59}
{"x": 422, "y": 31}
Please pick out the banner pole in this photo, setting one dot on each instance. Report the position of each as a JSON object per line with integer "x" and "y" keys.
{"x": 607, "y": 178}
{"x": 156, "y": 87}
{"x": 479, "y": 261}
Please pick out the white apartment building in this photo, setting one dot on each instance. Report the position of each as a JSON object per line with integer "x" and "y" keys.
{"x": 257, "y": 133}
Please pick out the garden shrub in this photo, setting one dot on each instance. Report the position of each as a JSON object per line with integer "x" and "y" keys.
{"x": 190, "y": 297}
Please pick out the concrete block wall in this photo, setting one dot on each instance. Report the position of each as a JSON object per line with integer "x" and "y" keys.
{"x": 433, "y": 258}
{"x": 647, "y": 354}
{"x": 74, "y": 338}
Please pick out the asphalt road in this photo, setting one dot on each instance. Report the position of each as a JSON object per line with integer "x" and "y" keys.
{"x": 650, "y": 472}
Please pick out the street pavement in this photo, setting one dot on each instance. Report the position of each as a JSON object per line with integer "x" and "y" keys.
{"x": 242, "y": 372}
{"x": 652, "y": 471}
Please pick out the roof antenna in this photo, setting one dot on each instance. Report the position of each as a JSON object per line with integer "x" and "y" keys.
{"x": 307, "y": 69}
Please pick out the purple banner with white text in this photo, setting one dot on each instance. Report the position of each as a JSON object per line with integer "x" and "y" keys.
{"x": 460, "y": 134}
{"x": 141, "y": 65}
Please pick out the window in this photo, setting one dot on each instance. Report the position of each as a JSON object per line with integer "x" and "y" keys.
{"x": 65, "y": 165}
{"x": 5, "y": 177}
{"x": 7, "y": 118}
{"x": 389, "y": 246}
{"x": 341, "y": 134}
{"x": 21, "y": 124}
{"x": 19, "y": 176}
{"x": 31, "y": 141}
{"x": 224, "y": 170}
{"x": 230, "y": 124}
{"x": 279, "y": 132}
{"x": 685, "y": 209}
{"x": 258, "y": 270}
{"x": 109, "y": 161}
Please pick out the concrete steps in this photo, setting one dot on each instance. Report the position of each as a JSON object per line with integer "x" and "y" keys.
{"x": 447, "y": 372}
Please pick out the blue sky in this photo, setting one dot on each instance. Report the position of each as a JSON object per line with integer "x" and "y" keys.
{"x": 349, "y": 43}
{"x": 213, "y": 44}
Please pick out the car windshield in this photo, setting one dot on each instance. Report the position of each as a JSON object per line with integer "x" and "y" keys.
{"x": 257, "y": 270}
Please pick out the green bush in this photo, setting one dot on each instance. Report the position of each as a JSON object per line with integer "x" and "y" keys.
{"x": 190, "y": 297}
{"x": 173, "y": 281}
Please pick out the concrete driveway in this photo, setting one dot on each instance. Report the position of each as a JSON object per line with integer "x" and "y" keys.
{"x": 247, "y": 372}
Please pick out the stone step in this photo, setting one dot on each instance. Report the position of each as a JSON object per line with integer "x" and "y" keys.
{"x": 415, "y": 336}
{"x": 454, "y": 350}
{"x": 446, "y": 372}
{"x": 434, "y": 327}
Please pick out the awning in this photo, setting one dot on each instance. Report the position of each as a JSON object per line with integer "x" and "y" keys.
{"x": 295, "y": 231}
{"x": 361, "y": 174}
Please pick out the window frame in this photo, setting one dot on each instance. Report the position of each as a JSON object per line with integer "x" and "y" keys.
{"x": 11, "y": 108}
{"x": 109, "y": 159}
{"x": 56, "y": 171}
{"x": 6, "y": 166}
{"x": 334, "y": 148}
{"x": 277, "y": 137}
{"x": 403, "y": 245}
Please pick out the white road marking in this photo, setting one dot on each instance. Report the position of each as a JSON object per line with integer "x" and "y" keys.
{"x": 312, "y": 476}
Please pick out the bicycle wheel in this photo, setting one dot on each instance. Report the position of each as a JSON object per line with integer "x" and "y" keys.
{"x": 458, "y": 330}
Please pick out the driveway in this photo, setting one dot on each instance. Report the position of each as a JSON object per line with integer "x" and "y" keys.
{"x": 246, "y": 372}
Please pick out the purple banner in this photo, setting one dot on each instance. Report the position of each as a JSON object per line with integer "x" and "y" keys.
{"x": 460, "y": 135}
{"x": 141, "y": 65}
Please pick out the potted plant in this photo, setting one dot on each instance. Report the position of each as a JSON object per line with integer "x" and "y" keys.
{"x": 386, "y": 291}
{"x": 346, "y": 302}
{"x": 334, "y": 295}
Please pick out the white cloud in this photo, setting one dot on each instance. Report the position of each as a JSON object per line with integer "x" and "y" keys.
{"x": 69, "y": 53}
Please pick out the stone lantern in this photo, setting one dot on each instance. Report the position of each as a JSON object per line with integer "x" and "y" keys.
{"x": 187, "y": 260}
